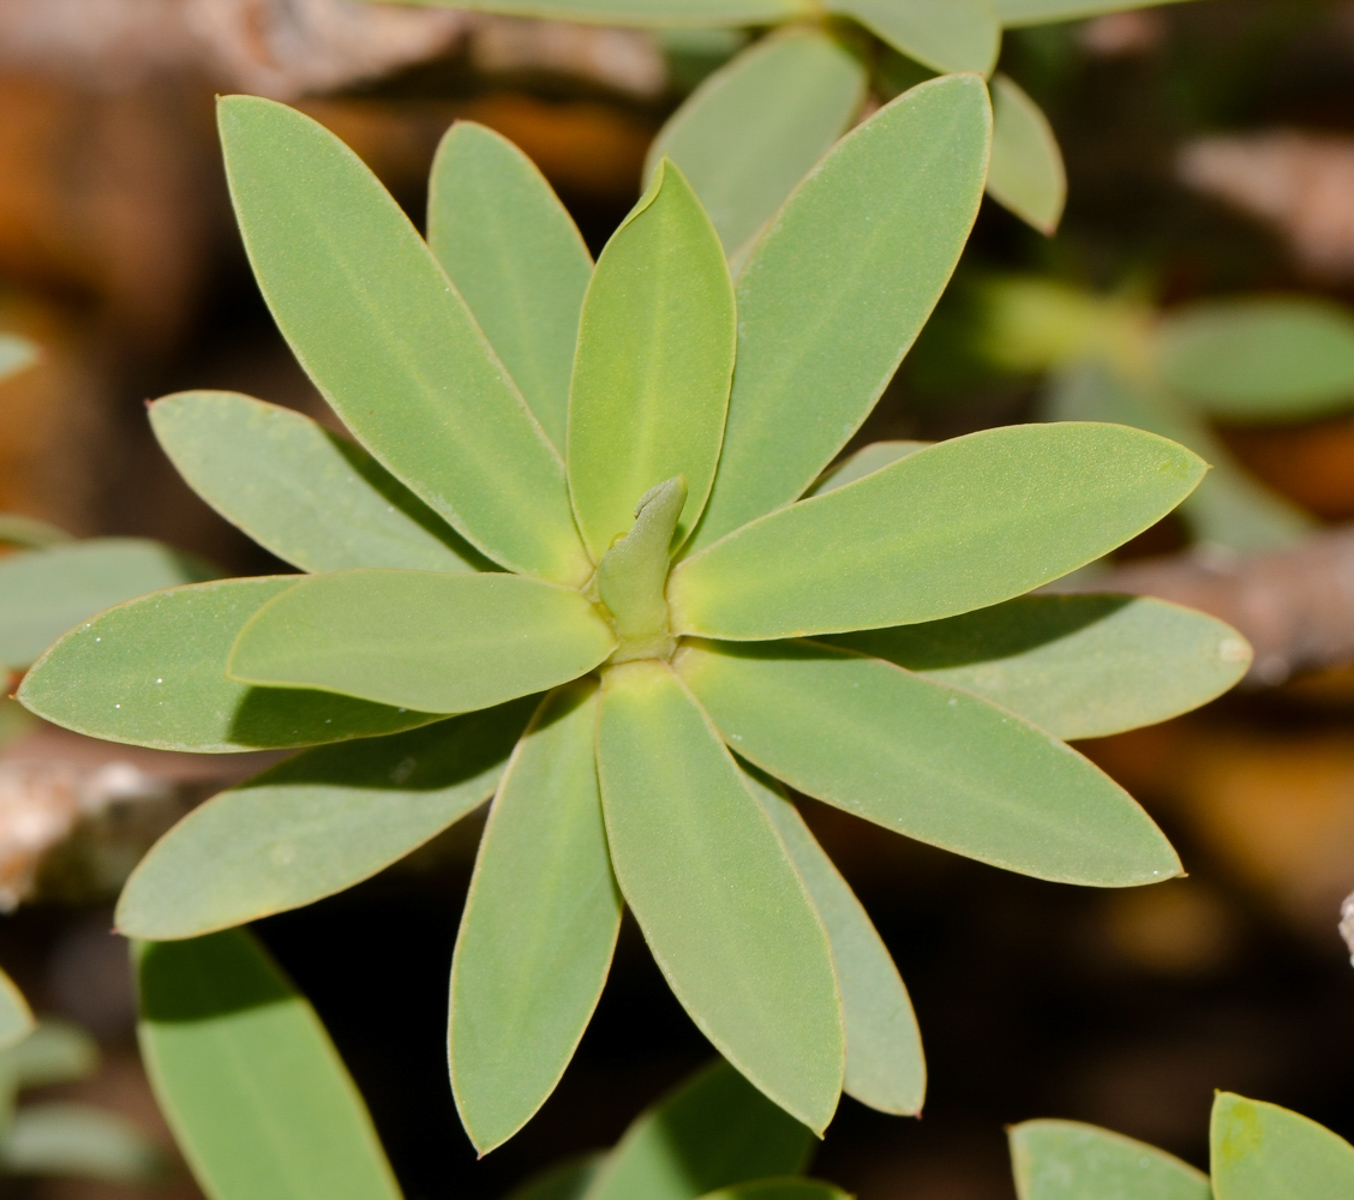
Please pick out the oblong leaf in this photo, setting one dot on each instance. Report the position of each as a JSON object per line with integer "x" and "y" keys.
{"x": 1260, "y": 358}
{"x": 1229, "y": 508}
{"x": 836, "y": 291}
{"x": 1065, "y": 1160}
{"x": 752, "y": 130}
{"x": 78, "y": 1141}
{"x": 945, "y": 35}
{"x": 1027, "y": 174}
{"x": 151, "y": 672}
{"x": 315, "y": 825}
{"x": 390, "y": 343}
{"x": 1076, "y": 666}
{"x": 643, "y": 13}
{"x": 315, "y": 500}
{"x": 55, "y": 1052}
{"x": 655, "y": 355}
{"x": 1264, "y": 1152}
{"x": 539, "y": 925}
{"x": 721, "y": 906}
{"x": 45, "y": 592}
{"x": 780, "y": 1189}
{"x": 713, "y": 1130}
{"x": 29, "y": 532}
{"x": 245, "y": 1074}
{"x": 515, "y": 255}
{"x": 885, "y": 1067}
{"x": 959, "y": 526}
{"x": 927, "y": 761}
{"x": 422, "y": 639}
{"x": 16, "y": 1018}
{"x": 865, "y": 461}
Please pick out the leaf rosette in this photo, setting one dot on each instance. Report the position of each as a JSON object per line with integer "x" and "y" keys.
{"x": 593, "y": 554}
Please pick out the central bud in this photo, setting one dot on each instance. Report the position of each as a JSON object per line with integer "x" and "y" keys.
{"x": 633, "y": 575}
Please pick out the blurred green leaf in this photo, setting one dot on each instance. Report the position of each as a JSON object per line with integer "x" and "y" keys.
{"x": 516, "y": 257}
{"x": 1283, "y": 358}
{"x": 54, "y": 1052}
{"x": 1040, "y": 12}
{"x": 152, "y": 673}
{"x": 947, "y": 35}
{"x": 754, "y": 129}
{"x": 780, "y": 1189}
{"x": 655, "y": 356}
{"x": 45, "y": 592}
{"x": 16, "y": 353}
{"x": 865, "y": 461}
{"x": 16, "y": 1020}
{"x": 643, "y": 13}
{"x": 539, "y": 925}
{"x": 885, "y": 1067}
{"x": 1229, "y": 508}
{"x": 316, "y": 500}
{"x": 826, "y": 312}
{"x": 568, "y": 1181}
{"x": 1027, "y": 174}
{"x": 720, "y": 904}
{"x": 79, "y": 1141}
{"x": 1065, "y": 1160}
{"x": 961, "y": 525}
{"x": 421, "y": 639}
{"x": 30, "y": 533}
{"x": 1076, "y": 666}
{"x": 1264, "y": 1152}
{"x": 315, "y": 825}
{"x": 927, "y": 761}
{"x": 714, "y": 1130}
{"x": 247, "y": 1078}
{"x": 393, "y": 348}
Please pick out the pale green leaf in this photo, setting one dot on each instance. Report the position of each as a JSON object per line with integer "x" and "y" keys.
{"x": 245, "y": 1074}
{"x": 16, "y": 1020}
{"x": 754, "y": 129}
{"x": 29, "y": 532}
{"x": 961, "y": 525}
{"x": 946, "y": 35}
{"x": 152, "y": 673}
{"x": 838, "y": 288}
{"x": 1282, "y": 358}
{"x": 1041, "y": 12}
{"x": 316, "y": 500}
{"x": 45, "y": 592}
{"x": 422, "y": 639}
{"x": 390, "y": 343}
{"x": 515, "y": 255}
{"x": 780, "y": 1189}
{"x": 1027, "y": 174}
{"x": 568, "y": 1181}
{"x": 865, "y": 461}
{"x": 885, "y": 1067}
{"x": 655, "y": 354}
{"x": 1076, "y": 666}
{"x": 1264, "y": 1152}
{"x": 927, "y": 761}
{"x": 1065, "y": 1160}
{"x": 642, "y": 13}
{"x": 713, "y": 1130}
{"x": 1229, "y": 508}
{"x": 77, "y": 1141}
{"x": 55, "y": 1052}
{"x": 16, "y": 353}
{"x": 539, "y": 925}
{"x": 720, "y": 904}
{"x": 315, "y": 825}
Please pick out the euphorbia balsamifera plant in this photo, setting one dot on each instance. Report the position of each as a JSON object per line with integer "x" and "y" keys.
{"x": 589, "y": 515}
